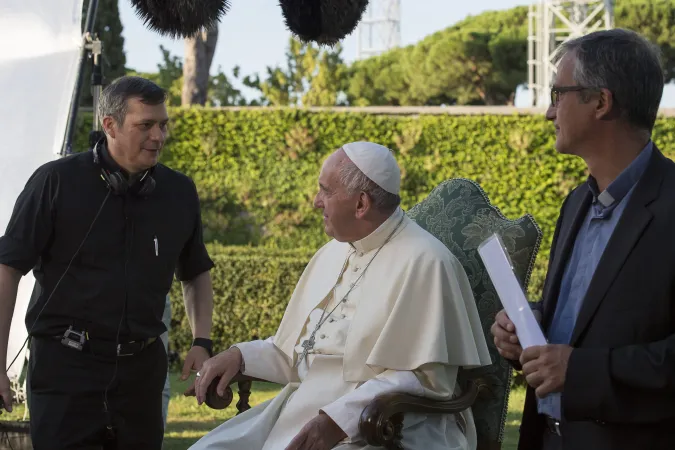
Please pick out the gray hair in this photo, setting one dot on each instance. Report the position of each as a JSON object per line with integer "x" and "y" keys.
{"x": 626, "y": 64}
{"x": 113, "y": 100}
{"x": 355, "y": 181}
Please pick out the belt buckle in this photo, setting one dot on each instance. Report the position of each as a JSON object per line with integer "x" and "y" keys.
{"x": 119, "y": 351}
{"x": 142, "y": 344}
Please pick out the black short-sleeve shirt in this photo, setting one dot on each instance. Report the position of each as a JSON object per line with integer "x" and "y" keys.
{"x": 125, "y": 266}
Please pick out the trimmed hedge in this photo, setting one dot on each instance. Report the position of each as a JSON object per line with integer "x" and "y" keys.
{"x": 251, "y": 288}
{"x": 256, "y": 171}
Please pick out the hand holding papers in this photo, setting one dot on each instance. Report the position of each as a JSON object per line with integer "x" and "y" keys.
{"x": 500, "y": 270}
{"x": 510, "y": 292}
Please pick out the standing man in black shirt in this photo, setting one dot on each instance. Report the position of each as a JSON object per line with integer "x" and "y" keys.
{"x": 104, "y": 232}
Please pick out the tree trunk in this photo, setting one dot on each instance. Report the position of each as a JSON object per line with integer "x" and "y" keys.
{"x": 199, "y": 51}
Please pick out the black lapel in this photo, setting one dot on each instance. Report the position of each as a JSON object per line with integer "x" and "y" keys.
{"x": 635, "y": 218}
{"x": 576, "y": 212}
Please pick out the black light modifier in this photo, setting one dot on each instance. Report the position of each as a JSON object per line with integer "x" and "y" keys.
{"x": 325, "y": 22}
{"x": 180, "y": 18}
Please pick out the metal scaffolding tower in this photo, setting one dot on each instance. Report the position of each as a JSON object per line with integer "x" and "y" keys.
{"x": 380, "y": 28}
{"x": 552, "y": 22}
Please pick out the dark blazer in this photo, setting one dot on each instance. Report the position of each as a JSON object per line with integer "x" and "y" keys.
{"x": 619, "y": 389}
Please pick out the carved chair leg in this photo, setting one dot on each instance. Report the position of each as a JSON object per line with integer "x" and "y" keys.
{"x": 393, "y": 432}
{"x": 244, "y": 395}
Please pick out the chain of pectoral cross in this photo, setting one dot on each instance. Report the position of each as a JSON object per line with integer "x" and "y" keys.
{"x": 308, "y": 344}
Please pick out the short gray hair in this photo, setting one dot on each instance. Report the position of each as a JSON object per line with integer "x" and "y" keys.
{"x": 355, "y": 181}
{"x": 626, "y": 64}
{"x": 113, "y": 100}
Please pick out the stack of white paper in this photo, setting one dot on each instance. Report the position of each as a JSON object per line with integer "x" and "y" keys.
{"x": 498, "y": 265}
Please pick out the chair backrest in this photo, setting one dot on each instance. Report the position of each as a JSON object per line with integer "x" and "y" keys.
{"x": 459, "y": 214}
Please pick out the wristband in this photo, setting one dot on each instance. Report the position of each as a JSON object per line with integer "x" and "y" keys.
{"x": 204, "y": 343}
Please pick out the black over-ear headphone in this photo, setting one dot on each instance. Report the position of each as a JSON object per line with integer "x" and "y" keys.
{"x": 142, "y": 185}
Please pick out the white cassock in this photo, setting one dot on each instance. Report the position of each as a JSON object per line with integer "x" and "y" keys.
{"x": 407, "y": 325}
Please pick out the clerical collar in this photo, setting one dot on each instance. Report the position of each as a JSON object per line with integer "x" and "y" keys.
{"x": 620, "y": 187}
{"x": 377, "y": 238}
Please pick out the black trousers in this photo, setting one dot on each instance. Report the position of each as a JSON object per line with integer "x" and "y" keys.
{"x": 66, "y": 398}
{"x": 551, "y": 441}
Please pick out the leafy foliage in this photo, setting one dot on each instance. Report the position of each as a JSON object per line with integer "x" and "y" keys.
{"x": 483, "y": 59}
{"x": 169, "y": 76}
{"x": 312, "y": 77}
{"x": 480, "y": 60}
{"x": 655, "y": 19}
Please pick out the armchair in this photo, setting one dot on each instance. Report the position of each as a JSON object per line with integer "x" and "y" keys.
{"x": 459, "y": 214}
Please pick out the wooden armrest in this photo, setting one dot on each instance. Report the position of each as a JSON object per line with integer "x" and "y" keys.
{"x": 244, "y": 383}
{"x": 239, "y": 378}
{"x": 381, "y": 422}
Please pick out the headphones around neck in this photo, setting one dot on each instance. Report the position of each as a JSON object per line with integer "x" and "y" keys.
{"x": 141, "y": 185}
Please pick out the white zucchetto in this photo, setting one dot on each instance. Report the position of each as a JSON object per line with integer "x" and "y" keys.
{"x": 377, "y": 163}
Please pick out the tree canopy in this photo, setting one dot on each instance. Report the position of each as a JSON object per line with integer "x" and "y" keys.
{"x": 312, "y": 77}
{"x": 655, "y": 19}
{"x": 480, "y": 60}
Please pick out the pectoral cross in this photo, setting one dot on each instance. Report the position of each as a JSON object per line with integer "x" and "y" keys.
{"x": 307, "y": 345}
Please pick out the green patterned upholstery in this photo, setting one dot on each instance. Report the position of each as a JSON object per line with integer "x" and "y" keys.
{"x": 459, "y": 213}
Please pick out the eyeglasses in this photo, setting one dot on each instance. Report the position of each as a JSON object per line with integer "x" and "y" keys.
{"x": 556, "y": 91}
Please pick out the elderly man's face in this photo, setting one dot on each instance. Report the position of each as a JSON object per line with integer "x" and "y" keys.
{"x": 138, "y": 141}
{"x": 339, "y": 209}
{"x": 573, "y": 118}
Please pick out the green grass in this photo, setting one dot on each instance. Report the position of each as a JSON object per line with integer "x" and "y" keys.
{"x": 187, "y": 422}
{"x": 516, "y": 402}
{"x": 16, "y": 414}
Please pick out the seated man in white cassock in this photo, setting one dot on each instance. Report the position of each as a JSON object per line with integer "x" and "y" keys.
{"x": 382, "y": 307}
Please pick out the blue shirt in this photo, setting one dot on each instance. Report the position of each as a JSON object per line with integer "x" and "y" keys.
{"x": 601, "y": 219}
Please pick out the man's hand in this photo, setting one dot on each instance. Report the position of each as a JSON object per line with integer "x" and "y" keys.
{"x": 5, "y": 393}
{"x": 224, "y": 365}
{"x": 320, "y": 433}
{"x": 545, "y": 367}
{"x": 9, "y": 283}
{"x": 506, "y": 340}
{"x": 194, "y": 361}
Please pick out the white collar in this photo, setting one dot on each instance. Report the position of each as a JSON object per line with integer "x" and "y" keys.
{"x": 378, "y": 237}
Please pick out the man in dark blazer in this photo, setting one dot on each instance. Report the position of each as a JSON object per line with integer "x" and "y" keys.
{"x": 606, "y": 380}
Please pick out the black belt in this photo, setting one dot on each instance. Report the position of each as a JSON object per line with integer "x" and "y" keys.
{"x": 553, "y": 425}
{"x": 100, "y": 347}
